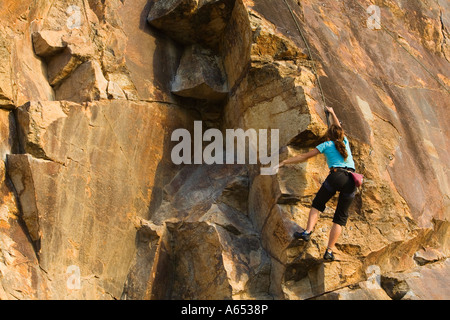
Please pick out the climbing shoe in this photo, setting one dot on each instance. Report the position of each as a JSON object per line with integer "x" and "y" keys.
{"x": 329, "y": 256}
{"x": 305, "y": 236}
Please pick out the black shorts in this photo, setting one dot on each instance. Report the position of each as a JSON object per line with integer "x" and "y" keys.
{"x": 336, "y": 181}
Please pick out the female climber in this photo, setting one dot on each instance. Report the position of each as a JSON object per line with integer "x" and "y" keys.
{"x": 340, "y": 161}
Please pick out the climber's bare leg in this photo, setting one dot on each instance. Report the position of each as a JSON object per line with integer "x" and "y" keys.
{"x": 312, "y": 219}
{"x": 335, "y": 232}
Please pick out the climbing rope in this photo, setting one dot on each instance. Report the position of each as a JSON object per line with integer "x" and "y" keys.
{"x": 313, "y": 64}
{"x": 389, "y": 32}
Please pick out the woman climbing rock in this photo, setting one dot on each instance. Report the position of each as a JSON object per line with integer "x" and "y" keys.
{"x": 340, "y": 161}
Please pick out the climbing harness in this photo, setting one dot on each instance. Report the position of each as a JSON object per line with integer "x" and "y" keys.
{"x": 390, "y": 33}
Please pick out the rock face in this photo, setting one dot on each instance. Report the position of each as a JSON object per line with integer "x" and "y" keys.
{"x": 200, "y": 76}
{"x": 93, "y": 207}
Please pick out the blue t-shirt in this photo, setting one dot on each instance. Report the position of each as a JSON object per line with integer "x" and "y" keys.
{"x": 334, "y": 158}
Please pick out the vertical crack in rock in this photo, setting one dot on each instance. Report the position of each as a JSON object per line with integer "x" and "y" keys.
{"x": 444, "y": 46}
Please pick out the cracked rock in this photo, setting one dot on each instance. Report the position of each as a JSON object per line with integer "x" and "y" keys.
{"x": 200, "y": 75}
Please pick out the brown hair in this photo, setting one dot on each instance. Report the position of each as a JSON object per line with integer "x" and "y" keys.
{"x": 336, "y": 134}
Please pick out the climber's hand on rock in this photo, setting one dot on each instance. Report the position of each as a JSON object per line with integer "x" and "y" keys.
{"x": 329, "y": 109}
{"x": 278, "y": 166}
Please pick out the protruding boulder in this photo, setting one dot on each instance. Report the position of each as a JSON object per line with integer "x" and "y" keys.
{"x": 192, "y": 21}
{"x": 114, "y": 91}
{"x": 86, "y": 83}
{"x": 199, "y": 271}
{"x": 33, "y": 119}
{"x": 78, "y": 50}
{"x": 61, "y": 66}
{"x": 200, "y": 75}
{"x": 47, "y": 42}
{"x": 22, "y": 170}
{"x": 429, "y": 282}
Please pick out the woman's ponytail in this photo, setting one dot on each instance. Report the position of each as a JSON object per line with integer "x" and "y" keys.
{"x": 340, "y": 146}
{"x": 336, "y": 134}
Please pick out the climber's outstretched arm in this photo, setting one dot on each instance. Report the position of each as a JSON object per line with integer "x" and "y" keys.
{"x": 300, "y": 158}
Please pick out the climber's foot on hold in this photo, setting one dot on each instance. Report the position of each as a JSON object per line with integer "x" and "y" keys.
{"x": 328, "y": 256}
{"x": 305, "y": 236}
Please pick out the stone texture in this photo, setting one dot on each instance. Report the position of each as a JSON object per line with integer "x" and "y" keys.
{"x": 47, "y": 42}
{"x": 8, "y": 134}
{"x": 20, "y": 275}
{"x": 61, "y": 66}
{"x": 192, "y": 21}
{"x": 150, "y": 60}
{"x": 21, "y": 71}
{"x": 66, "y": 182}
{"x": 189, "y": 206}
{"x": 6, "y": 90}
{"x": 422, "y": 283}
{"x": 199, "y": 271}
{"x": 200, "y": 76}
{"x": 114, "y": 91}
{"x": 90, "y": 83}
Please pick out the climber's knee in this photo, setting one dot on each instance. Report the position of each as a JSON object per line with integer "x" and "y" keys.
{"x": 323, "y": 196}
{"x": 340, "y": 218}
{"x": 344, "y": 202}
